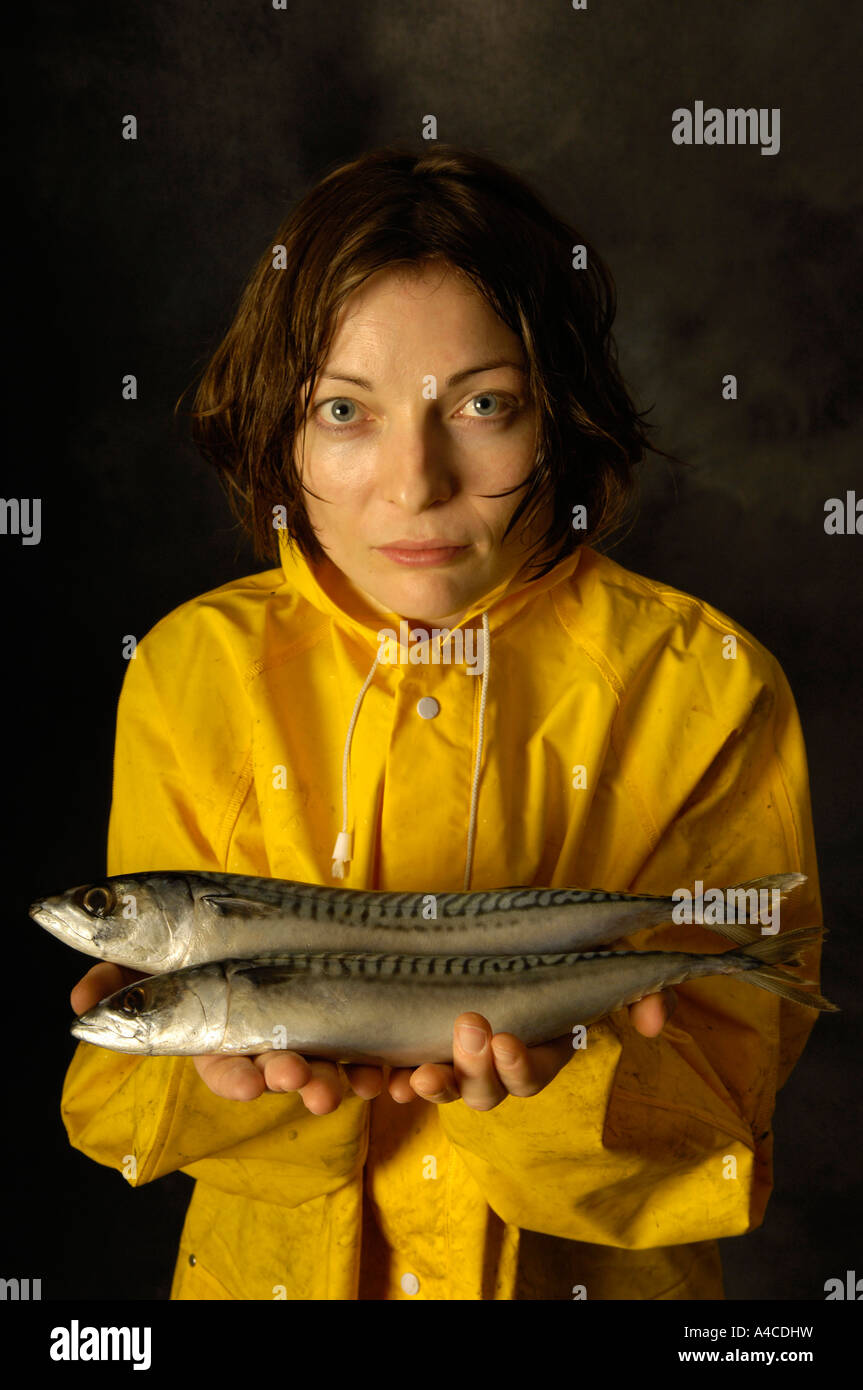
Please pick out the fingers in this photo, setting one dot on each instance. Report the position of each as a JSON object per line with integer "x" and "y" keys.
{"x": 501, "y": 1066}
{"x": 103, "y": 979}
{"x": 650, "y": 1014}
{"x": 434, "y": 1081}
{"x": 246, "y": 1078}
{"x": 324, "y": 1092}
{"x": 474, "y": 1063}
{"x": 525, "y": 1071}
{"x": 504, "y": 1065}
{"x": 367, "y": 1082}
{"x": 232, "y": 1078}
{"x": 471, "y": 1077}
{"x": 318, "y": 1082}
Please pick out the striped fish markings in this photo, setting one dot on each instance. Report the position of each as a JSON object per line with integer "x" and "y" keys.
{"x": 399, "y": 1010}
{"x": 155, "y": 922}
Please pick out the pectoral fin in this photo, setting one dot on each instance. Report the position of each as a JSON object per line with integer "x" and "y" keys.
{"x": 232, "y": 905}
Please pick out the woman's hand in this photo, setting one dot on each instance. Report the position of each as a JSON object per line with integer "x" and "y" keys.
{"x": 481, "y": 1079}
{"x": 494, "y": 1066}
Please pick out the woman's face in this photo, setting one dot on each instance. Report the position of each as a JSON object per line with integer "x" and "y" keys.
{"x": 419, "y": 416}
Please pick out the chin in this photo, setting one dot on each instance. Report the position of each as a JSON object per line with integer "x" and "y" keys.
{"x": 431, "y": 604}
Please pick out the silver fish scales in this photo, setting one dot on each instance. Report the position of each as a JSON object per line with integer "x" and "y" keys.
{"x": 400, "y": 1009}
{"x": 160, "y": 921}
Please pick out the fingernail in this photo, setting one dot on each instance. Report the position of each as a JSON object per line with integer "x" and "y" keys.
{"x": 471, "y": 1039}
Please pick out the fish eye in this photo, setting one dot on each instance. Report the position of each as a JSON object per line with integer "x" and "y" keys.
{"x": 133, "y": 1001}
{"x": 97, "y": 901}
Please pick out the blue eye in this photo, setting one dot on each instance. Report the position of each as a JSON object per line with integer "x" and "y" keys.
{"x": 486, "y": 405}
{"x": 484, "y": 396}
{"x": 340, "y": 402}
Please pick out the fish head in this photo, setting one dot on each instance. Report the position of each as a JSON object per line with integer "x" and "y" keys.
{"x": 131, "y": 920}
{"x": 182, "y": 1013}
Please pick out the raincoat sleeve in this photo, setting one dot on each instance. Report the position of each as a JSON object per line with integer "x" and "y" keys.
{"x": 176, "y": 795}
{"x": 643, "y": 1142}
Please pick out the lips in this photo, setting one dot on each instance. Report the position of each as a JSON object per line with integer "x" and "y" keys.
{"x": 436, "y": 544}
{"x": 418, "y": 554}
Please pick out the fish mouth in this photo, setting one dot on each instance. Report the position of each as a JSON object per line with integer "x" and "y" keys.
{"x": 119, "y": 1034}
{"x": 59, "y": 926}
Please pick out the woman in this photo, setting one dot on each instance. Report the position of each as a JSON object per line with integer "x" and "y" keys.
{"x": 418, "y": 415}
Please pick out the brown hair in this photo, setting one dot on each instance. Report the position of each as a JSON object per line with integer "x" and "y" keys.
{"x": 395, "y": 207}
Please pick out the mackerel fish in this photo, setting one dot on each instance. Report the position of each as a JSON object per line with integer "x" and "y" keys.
{"x": 399, "y": 1010}
{"x": 156, "y": 922}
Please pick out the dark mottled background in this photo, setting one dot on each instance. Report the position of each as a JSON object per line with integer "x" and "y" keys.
{"x": 130, "y": 257}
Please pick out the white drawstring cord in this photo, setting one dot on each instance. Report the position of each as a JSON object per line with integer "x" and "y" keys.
{"x": 343, "y": 848}
{"x": 486, "y": 654}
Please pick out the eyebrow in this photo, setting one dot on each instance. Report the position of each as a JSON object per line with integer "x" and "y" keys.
{"x": 453, "y": 380}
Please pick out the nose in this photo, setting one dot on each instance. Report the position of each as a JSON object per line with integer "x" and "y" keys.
{"x": 416, "y": 469}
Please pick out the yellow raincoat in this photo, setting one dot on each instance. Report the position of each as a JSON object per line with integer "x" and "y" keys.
{"x": 621, "y": 1174}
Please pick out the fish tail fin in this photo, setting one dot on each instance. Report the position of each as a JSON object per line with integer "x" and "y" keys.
{"x": 773, "y": 949}
{"x": 740, "y": 933}
{"x": 786, "y": 883}
{"x": 784, "y": 947}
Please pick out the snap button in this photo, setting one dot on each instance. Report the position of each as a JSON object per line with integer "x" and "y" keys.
{"x": 192, "y": 1260}
{"x": 410, "y": 1283}
{"x": 428, "y": 707}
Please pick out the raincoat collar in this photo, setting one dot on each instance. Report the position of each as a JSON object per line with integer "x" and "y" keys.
{"x": 325, "y": 589}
